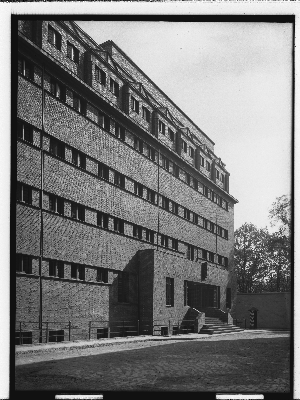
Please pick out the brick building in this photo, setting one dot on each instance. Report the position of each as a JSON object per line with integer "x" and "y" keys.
{"x": 123, "y": 209}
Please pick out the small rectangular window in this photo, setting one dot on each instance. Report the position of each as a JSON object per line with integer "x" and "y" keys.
{"x": 114, "y": 87}
{"x": 78, "y": 212}
{"x": 79, "y": 104}
{"x": 188, "y": 179}
{"x": 171, "y": 135}
{"x": 56, "y": 268}
{"x": 151, "y": 196}
{"x": 187, "y": 214}
{"x": 78, "y": 159}
{"x": 72, "y": 53}
{"x": 56, "y": 336}
{"x": 207, "y": 165}
{"x": 184, "y": 145}
{"x": 119, "y": 225}
{"x": 217, "y": 174}
{"x": 195, "y": 218}
{"x": 195, "y": 182}
{"x": 26, "y": 68}
{"x": 138, "y": 189}
{"x": 151, "y": 153}
{"x": 57, "y": 148}
{"x": 134, "y": 105}
{"x": 175, "y": 244}
{"x": 119, "y": 180}
{"x": 174, "y": 208}
{"x": 165, "y": 163}
{"x": 57, "y": 89}
{"x": 102, "y": 220}
{"x": 164, "y": 241}
{"x": 211, "y": 256}
{"x": 170, "y": 292}
{"x": 78, "y": 272}
{"x": 23, "y": 337}
{"x": 104, "y": 121}
{"x": 102, "y": 275}
{"x": 165, "y": 203}
{"x": 203, "y": 271}
{"x": 103, "y": 171}
{"x": 204, "y": 254}
{"x": 139, "y": 145}
{"x": 190, "y": 252}
{"x": 161, "y": 127}
{"x": 120, "y": 132}
{"x": 54, "y": 37}
{"x": 137, "y": 231}
{"x": 24, "y": 193}
{"x": 100, "y": 76}
{"x": 222, "y": 178}
{"x": 191, "y": 152}
{"x": 146, "y": 114}
{"x": 25, "y": 131}
{"x": 24, "y": 263}
{"x": 202, "y": 161}
{"x": 56, "y": 204}
{"x": 149, "y": 236}
{"x": 175, "y": 170}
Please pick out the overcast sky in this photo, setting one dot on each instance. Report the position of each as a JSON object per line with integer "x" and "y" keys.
{"x": 234, "y": 80}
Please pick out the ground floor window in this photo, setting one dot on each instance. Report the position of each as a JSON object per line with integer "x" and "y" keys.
{"x": 56, "y": 336}
{"x": 170, "y": 292}
{"x": 23, "y": 337}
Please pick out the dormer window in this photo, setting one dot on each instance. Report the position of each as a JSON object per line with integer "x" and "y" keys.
{"x": 54, "y": 37}
{"x": 72, "y": 53}
{"x": 134, "y": 105}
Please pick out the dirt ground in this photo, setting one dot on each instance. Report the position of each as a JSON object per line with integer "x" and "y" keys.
{"x": 231, "y": 364}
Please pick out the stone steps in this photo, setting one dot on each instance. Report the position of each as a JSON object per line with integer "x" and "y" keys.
{"x": 214, "y": 325}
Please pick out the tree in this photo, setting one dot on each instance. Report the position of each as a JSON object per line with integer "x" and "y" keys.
{"x": 281, "y": 213}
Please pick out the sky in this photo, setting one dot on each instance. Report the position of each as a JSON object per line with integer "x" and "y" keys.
{"x": 234, "y": 80}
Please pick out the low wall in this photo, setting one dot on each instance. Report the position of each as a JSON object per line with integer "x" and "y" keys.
{"x": 274, "y": 309}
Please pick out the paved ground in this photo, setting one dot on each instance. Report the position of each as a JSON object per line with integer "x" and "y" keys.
{"x": 248, "y": 361}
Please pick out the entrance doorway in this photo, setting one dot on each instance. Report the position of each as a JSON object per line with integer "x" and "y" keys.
{"x": 201, "y": 296}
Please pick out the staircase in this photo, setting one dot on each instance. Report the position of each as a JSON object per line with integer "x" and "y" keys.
{"x": 216, "y": 321}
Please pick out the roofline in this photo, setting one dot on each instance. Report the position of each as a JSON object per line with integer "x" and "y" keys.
{"x": 146, "y": 76}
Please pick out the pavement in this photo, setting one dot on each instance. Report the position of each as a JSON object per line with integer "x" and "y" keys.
{"x": 27, "y": 354}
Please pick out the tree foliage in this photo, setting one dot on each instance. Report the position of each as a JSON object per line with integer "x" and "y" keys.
{"x": 263, "y": 259}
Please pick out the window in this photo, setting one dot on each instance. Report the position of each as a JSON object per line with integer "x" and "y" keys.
{"x": 104, "y": 121}
{"x": 149, "y": 236}
{"x": 120, "y": 132}
{"x": 228, "y": 298}
{"x": 222, "y": 178}
{"x": 175, "y": 170}
{"x": 114, "y": 87}
{"x": 217, "y": 174}
{"x": 216, "y": 198}
{"x": 151, "y": 153}
{"x": 226, "y": 234}
{"x": 191, "y": 152}
{"x": 56, "y": 204}
{"x": 195, "y": 183}
{"x": 165, "y": 163}
{"x": 77, "y": 212}
{"x": 219, "y": 230}
{"x": 123, "y": 287}
{"x": 186, "y": 293}
{"x": 226, "y": 262}
{"x": 202, "y": 161}
{"x": 54, "y": 37}
{"x": 57, "y": 89}
{"x": 56, "y": 336}
{"x": 191, "y": 252}
{"x": 195, "y": 218}
{"x": 57, "y": 148}
{"x": 207, "y": 165}
{"x": 78, "y": 272}
{"x": 175, "y": 244}
{"x": 118, "y": 225}
{"x": 171, "y": 135}
{"x": 183, "y": 145}
{"x": 151, "y": 196}
{"x": 102, "y": 220}
{"x": 25, "y": 68}
{"x": 165, "y": 203}
{"x": 138, "y": 189}
{"x": 79, "y": 104}
{"x": 146, "y": 114}
{"x": 103, "y": 171}
{"x": 188, "y": 179}
{"x": 119, "y": 180}
{"x": 56, "y": 268}
{"x": 211, "y": 256}
{"x": 220, "y": 261}
{"x": 207, "y": 192}
{"x": 72, "y": 53}
{"x": 137, "y": 232}
{"x": 24, "y": 193}
{"x": 78, "y": 159}
{"x": 100, "y": 76}
{"x": 134, "y": 105}
{"x": 24, "y": 264}
{"x": 25, "y": 132}
{"x": 23, "y": 337}
{"x": 161, "y": 127}
{"x": 102, "y": 275}
{"x": 204, "y": 254}
{"x": 164, "y": 240}
{"x": 174, "y": 208}
{"x": 170, "y": 292}
{"x": 203, "y": 271}
{"x": 187, "y": 213}
{"x": 138, "y": 145}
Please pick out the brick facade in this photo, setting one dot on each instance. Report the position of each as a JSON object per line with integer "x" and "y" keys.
{"x": 114, "y": 193}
